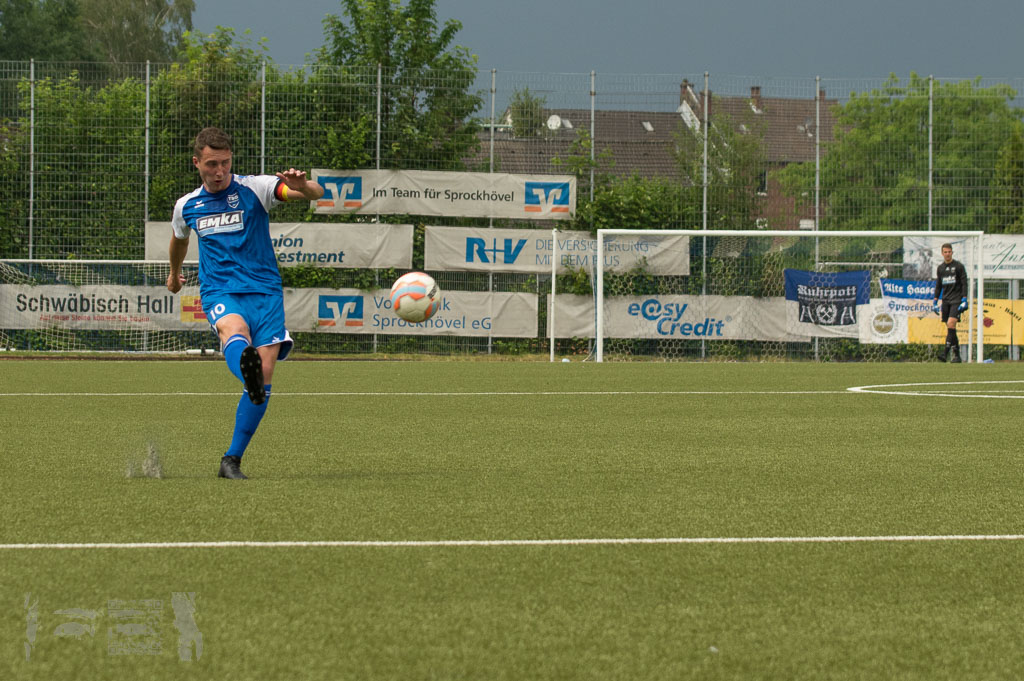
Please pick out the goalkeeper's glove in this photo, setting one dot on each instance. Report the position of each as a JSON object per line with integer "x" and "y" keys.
{"x": 963, "y": 305}
{"x": 936, "y": 308}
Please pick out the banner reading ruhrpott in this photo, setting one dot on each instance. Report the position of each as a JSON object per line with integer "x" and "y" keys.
{"x": 472, "y": 249}
{"x": 441, "y": 193}
{"x": 310, "y": 243}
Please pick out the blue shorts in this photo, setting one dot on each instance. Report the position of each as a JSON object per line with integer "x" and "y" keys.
{"x": 263, "y": 313}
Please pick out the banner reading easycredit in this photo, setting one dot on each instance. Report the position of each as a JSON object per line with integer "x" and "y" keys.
{"x": 307, "y": 243}
{"x": 462, "y": 313}
{"x": 442, "y": 193}
{"x": 684, "y": 317}
{"x": 471, "y": 249}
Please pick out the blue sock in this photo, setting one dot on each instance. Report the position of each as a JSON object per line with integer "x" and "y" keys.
{"x": 247, "y": 420}
{"x": 233, "y": 354}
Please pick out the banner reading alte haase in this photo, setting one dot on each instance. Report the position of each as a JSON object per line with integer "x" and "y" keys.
{"x": 438, "y": 193}
{"x": 471, "y": 249}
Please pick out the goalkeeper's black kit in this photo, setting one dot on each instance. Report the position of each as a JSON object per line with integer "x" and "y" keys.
{"x": 951, "y": 282}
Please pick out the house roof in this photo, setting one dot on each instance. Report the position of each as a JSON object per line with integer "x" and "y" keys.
{"x": 644, "y": 142}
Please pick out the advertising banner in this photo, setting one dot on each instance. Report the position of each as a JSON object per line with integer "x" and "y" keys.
{"x": 100, "y": 307}
{"x": 462, "y": 313}
{"x": 1002, "y": 255}
{"x": 878, "y": 322}
{"x": 1003, "y": 320}
{"x": 442, "y": 193}
{"x": 375, "y": 246}
{"x": 909, "y": 297}
{"x": 825, "y": 303}
{"x": 684, "y": 317}
{"x": 530, "y": 251}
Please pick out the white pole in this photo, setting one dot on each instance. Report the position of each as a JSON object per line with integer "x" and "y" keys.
{"x": 931, "y": 148}
{"x": 979, "y": 250}
{"x": 599, "y": 302}
{"x": 551, "y": 303}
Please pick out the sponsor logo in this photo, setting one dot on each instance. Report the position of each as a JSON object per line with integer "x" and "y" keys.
{"x": 477, "y": 251}
{"x": 348, "y": 309}
{"x": 668, "y": 318}
{"x": 547, "y": 197}
{"x": 192, "y": 309}
{"x": 344, "y": 192}
{"x": 883, "y": 324}
{"x": 217, "y": 224}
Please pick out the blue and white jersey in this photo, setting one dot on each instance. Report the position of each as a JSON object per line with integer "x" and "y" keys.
{"x": 235, "y": 252}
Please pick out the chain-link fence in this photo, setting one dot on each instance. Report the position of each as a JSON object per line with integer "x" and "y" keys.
{"x": 90, "y": 152}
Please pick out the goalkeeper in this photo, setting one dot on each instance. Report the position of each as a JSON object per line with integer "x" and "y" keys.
{"x": 951, "y": 290}
{"x": 239, "y": 283}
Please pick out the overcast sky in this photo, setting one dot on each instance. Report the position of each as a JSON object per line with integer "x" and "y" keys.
{"x": 834, "y": 39}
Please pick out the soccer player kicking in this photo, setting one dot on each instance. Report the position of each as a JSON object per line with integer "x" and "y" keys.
{"x": 239, "y": 284}
{"x": 951, "y": 289}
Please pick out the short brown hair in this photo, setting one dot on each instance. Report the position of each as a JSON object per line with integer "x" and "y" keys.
{"x": 949, "y": 246}
{"x": 215, "y": 138}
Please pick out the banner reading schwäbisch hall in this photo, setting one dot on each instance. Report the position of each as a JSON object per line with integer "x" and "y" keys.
{"x": 439, "y": 193}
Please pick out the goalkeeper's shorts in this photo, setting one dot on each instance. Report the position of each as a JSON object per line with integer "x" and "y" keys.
{"x": 949, "y": 309}
{"x": 263, "y": 313}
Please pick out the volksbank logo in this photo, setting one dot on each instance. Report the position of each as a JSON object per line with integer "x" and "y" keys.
{"x": 477, "y": 251}
{"x": 668, "y": 318}
{"x": 547, "y": 197}
{"x": 216, "y": 224}
{"x": 346, "y": 192}
{"x": 349, "y": 309}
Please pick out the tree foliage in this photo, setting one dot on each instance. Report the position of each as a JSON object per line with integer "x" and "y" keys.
{"x": 44, "y": 30}
{"x": 874, "y": 175}
{"x": 426, "y": 108}
{"x": 138, "y": 30}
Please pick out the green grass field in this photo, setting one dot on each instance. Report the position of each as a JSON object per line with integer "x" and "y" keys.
{"x": 395, "y": 457}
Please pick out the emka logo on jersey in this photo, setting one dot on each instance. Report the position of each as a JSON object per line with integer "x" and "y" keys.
{"x": 547, "y": 197}
{"x": 477, "y": 251}
{"x": 216, "y": 224}
{"x": 349, "y": 309}
{"x": 346, "y": 191}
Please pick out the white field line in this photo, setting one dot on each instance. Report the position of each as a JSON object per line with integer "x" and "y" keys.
{"x": 900, "y": 389}
{"x": 459, "y": 543}
{"x": 440, "y": 394}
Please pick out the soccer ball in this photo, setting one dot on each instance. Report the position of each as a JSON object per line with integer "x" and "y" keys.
{"x": 415, "y": 297}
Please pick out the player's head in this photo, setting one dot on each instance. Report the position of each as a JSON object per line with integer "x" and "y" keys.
{"x": 212, "y": 158}
{"x": 947, "y": 252}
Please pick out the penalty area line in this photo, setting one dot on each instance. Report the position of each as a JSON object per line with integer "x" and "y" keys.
{"x": 555, "y": 393}
{"x": 456, "y": 543}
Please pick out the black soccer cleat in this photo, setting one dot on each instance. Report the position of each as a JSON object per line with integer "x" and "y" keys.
{"x": 955, "y": 356}
{"x": 252, "y": 375}
{"x": 229, "y": 468}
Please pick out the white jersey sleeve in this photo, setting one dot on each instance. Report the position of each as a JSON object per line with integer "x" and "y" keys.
{"x": 181, "y": 230}
{"x": 264, "y": 186}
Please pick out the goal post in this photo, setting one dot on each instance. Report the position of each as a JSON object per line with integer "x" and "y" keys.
{"x": 776, "y": 294}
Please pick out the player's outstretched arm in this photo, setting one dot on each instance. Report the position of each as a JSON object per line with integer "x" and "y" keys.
{"x": 299, "y": 187}
{"x": 178, "y": 250}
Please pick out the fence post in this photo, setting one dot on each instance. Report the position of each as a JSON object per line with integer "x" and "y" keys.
{"x": 490, "y": 220}
{"x": 263, "y": 118}
{"x": 146, "y": 171}
{"x": 31, "y": 155}
{"x": 931, "y": 148}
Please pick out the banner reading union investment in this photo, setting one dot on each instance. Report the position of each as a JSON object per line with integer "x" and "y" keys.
{"x": 424, "y": 192}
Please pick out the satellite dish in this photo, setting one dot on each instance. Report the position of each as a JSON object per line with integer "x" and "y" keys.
{"x": 554, "y": 122}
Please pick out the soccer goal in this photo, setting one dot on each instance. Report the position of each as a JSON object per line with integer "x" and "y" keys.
{"x": 100, "y": 305}
{"x": 772, "y": 295}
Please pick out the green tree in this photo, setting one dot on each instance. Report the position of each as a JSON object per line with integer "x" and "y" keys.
{"x": 138, "y": 30}
{"x": 426, "y": 105}
{"x": 1006, "y": 205}
{"x": 736, "y": 164}
{"x": 44, "y": 30}
{"x": 526, "y": 111}
{"x": 874, "y": 175}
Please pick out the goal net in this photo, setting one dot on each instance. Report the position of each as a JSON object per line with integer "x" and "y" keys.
{"x": 99, "y": 305}
{"x": 773, "y": 295}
